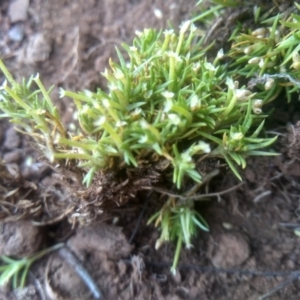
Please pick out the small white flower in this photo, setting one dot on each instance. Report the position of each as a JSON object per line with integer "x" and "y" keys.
{"x": 143, "y": 139}
{"x": 138, "y": 33}
{"x": 174, "y": 119}
{"x": 85, "y": 109}
{"x": 168, "y": 95}
{"x": 136, "y": 112}
{"x": 133, "y": 49}
{"x": 168, "y": 105}
{"x": 62, "y": 92}
{"x": 195, "y": 102}
{"x": 185, "y": 26}
{"x": 119, "y": 74}
{"x": 174, "y": 55}
{"x": 236, "y": 136}
{"x": 193, "y": 28}
{"x": 121, "y": 123}
{"x": 202, "y": 146}
{"x": 168, "y": 32}
{"x": 196, "y": 66}
{"x": 144, "y": 124}
{"x": 100, "y": 121}
{"x": 106, "y": 103}
{"x": 209, "y": 67}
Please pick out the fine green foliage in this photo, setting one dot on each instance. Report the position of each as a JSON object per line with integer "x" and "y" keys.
{"x": 17, "y": 270}
{"x": 166, "y": 102}
{"x": 179, "y": 224}
{"x": 269, "y": 52}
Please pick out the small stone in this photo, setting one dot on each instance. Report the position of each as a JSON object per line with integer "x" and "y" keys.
{"x": 12, "y": 139}
{"x": 17, "y": 10}
{"x": 229, "y": 250}
{"x": 16, "y": 33}
{"x": 38, "y": 49}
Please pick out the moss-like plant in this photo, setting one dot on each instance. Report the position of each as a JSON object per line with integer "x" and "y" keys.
{"x": 165, "y": 104}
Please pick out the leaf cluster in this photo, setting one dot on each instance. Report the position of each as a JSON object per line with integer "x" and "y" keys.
{"x": 272, "y": 48}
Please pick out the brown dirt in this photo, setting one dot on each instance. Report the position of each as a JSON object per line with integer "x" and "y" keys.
{"x": 251, "y": 247}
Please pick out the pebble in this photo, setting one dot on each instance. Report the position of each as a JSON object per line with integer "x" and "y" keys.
{"x": 38, "y": 49}
{"x": 16, "y": 33}
{"x": 12, "y": 139}
{"x": 17, "y": 10}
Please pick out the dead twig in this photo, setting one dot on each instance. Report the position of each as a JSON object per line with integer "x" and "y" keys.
{"x": 196, "y": 197}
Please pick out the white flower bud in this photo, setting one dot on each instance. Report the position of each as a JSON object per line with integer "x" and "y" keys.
{"x": 254, "y": 60}
{"x": 260, "y": 32}
{"x": 120, "y": 123}
{"x": 257, "y": 103}
{"x": 236, "y": 136}
{"x": 195, "y": 102}
{"x": 242, "y": 94}
{"x": 133, "y": 49}
{"x": 168, "y": 32}
{"x": 220, "y": 54}
{"x": 185, "y": 26}
{"x": 138, "y": 33}
{"x": 269, "y": 84}
{"x": 249, "y": 49}
{"x": 261, "y": 63}
{"x": 168, "y": 95}
{"x": 236, "y": 84}
{"x": 174, "y": 55}
{"x": 174, "y": 119}
{"x": 196, "y": 66}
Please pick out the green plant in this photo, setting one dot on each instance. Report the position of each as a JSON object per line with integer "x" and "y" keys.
{"x": 17, "y": 270}
{"x": 165, "y": 104}
{"x": 269, "y": 55}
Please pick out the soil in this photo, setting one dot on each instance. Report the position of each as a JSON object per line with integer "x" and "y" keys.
{"x": 252, "y": 247}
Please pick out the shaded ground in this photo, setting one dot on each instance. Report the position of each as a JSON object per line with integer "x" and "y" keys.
{"x": 251, "y": 247}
